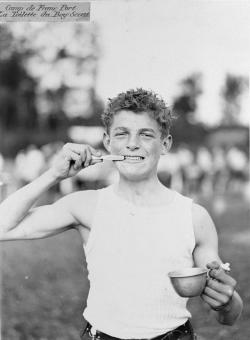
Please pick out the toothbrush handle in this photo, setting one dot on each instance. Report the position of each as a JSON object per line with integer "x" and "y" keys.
{"x": 96, "y": 158}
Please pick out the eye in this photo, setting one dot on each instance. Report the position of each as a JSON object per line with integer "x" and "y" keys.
{"x": 148, "y": 135}
{"x": 117, "y": 134}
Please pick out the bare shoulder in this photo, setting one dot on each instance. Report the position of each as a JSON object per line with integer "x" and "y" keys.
{"x": 200, "y": 214}
{"x": 81, "y": 205}
{"x": 203, "y": 224}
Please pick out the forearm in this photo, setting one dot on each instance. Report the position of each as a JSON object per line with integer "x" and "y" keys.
{"x": 16, "y": 206}
{"x": 231, "y": 312}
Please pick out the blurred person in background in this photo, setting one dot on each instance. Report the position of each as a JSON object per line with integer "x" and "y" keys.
{"x": 205, "y": 164}
{"x": 219, "y": 170}
{"x": 34, "y": 162}
{"x": 134, "y": 231}
{"x": 237, "y": 164}
{"x": 170, "y": 172}
{"x": 1, "y": 163}
{"x": 2, "y": 179}
{"x": 20, "y": 168}
{"x": 192, "y": 173}
{"x": 186, "y": 159}
{"x": 29, "y": 164}
{"x": 64, "y": 187}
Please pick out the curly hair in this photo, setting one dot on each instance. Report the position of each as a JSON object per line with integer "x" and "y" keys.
{"x": 138, "y": 101}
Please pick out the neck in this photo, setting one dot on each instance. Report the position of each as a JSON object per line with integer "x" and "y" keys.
{"x": 141, "y": 192}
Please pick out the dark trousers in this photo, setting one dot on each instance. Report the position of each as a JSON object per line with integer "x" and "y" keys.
{"x": 183, "y": 332}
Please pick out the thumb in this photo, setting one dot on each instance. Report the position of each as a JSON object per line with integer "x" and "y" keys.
{"x": 213, "y": 265}
{"x": 95, "y": 152}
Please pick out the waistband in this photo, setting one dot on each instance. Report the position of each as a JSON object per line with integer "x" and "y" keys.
{"x": 183, "y": 332}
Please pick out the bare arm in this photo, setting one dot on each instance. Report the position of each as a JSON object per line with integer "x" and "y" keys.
{"x": 219, "y": 292}
{"x": 44, "y": 221}
{"x": 19, "y": 221}
{"x": 17, "y": 205}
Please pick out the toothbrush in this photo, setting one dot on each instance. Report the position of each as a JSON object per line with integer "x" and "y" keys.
{"x": 109, "y": 158}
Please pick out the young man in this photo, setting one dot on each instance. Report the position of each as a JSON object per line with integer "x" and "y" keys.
{"x": 134, "y": 232}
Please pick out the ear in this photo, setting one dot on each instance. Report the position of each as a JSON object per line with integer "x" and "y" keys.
{"x": 166, "y": 144}
{"x": 106, "y": 141}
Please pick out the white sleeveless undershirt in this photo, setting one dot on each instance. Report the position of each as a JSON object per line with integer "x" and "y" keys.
{"x": 129, "y": 253}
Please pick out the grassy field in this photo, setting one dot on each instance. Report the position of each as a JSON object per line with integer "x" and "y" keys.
{"x": 44, "y": 283}
{"x": 234, "y": 239}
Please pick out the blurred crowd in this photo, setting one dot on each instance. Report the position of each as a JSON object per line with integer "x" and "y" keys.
{"x": 205, "y": 172}
{"x": 202, "y": 171}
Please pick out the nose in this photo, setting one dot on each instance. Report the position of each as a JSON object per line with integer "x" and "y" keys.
{"x": 133, "y": 143}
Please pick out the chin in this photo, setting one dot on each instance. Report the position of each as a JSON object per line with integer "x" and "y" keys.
{"x": 135, "y": 176}
{"x": 134, "y": 172}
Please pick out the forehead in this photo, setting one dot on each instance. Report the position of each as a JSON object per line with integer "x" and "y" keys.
{"x": 130, "y": 119}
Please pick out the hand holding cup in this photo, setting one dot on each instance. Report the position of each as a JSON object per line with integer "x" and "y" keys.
{"x": 191, "y": 282}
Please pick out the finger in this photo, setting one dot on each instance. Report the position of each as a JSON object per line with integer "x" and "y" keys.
{"x": 70, "y": 155}
{"x": 95, "y": 161}
{"x": 83, "y": 157}
{"x": 210, "y": 301}
{"x": 221, "y": 298}
{"x": 70, "y": 147}
{"x": 222, "y": 276}
{"x": 72, "y": 158}
{"x": 81, "y": 148}
{"x": 74, "y": 147}
{"x": 213, "y": 265}
{"x": 227, "y": 290}
{"x": 87, "y": 158}
{"x": 95, "y": 152}
{"x": 78, "y": 163}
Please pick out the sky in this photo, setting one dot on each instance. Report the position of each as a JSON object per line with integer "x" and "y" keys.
{"x": 156, "y": 43}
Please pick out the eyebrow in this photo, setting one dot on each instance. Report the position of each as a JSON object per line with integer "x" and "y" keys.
{"x": 147, "y": 130}
{"x": 141, "y": 130}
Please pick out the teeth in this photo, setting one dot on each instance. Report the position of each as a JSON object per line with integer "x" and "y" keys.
{"x": 138, "y": 158}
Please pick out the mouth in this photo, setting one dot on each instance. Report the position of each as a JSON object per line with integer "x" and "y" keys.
{"x": 133, "y": 158}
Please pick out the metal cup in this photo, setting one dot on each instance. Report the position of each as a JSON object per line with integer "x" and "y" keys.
{"x": 189, "y": 282}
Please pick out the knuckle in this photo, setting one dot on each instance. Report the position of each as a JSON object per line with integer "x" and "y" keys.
{"x": 66, "y": 149}
{"x": 211, "y": 283}
{"x": 224, "y": 299}
{"x": 214, "y": 273}
{"x": 208, "y": 284}
{"x": 234, "y": 283}
{"x": 230, "y": 292}
{"x": 87, "y": 148}
{"x": 206, "y": 290}
{"x": 216, "y": 304}
{"x": 66, "y": 154}
{"x": 83, "y": 149}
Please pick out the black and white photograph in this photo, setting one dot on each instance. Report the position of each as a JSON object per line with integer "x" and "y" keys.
{"x": 124, "y": 170}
